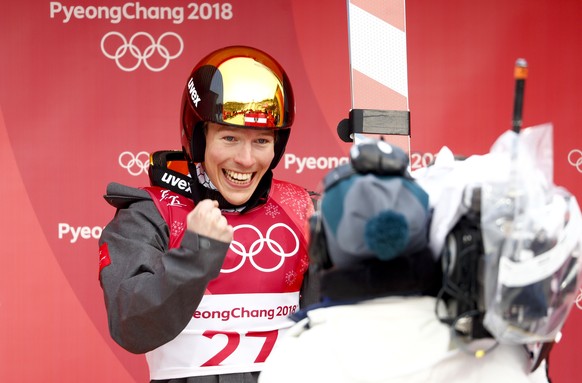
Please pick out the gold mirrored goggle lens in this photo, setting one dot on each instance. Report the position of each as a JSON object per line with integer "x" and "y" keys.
{"x": 252, "y": 94}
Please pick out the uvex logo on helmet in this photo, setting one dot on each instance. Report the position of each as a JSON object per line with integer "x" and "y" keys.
{"x": 193, "y": 93}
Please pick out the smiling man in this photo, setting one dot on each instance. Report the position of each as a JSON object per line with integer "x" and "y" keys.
{"x": 237, "y": 159}
{"x": 201, "y": 269}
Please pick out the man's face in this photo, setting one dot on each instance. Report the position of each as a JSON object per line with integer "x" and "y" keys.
{"x": 236, "y": 159}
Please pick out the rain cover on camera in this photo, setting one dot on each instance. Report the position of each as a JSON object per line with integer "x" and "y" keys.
{"x": 532, "y": 237}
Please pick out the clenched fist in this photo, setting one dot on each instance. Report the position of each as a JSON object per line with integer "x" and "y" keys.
{"x": 207, "y": 219}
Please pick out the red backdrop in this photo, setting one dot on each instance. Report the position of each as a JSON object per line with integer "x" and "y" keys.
{"x": 73, "y": 118}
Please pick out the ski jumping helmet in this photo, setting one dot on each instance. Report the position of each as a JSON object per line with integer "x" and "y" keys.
{"x": 236, "y": 86}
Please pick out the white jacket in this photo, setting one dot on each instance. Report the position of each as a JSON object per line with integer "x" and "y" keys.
{"x": 396, "y": 340}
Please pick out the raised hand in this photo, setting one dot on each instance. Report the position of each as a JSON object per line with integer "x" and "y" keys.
{"x": 207, "y": 219}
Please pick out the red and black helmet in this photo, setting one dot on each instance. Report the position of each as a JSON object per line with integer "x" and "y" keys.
{"x": 237, "y": 86}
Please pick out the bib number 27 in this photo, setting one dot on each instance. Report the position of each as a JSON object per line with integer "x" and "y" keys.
{"x": 233, "y": 341}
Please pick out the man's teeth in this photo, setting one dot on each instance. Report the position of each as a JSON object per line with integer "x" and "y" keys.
{"x": 240, "y": 177}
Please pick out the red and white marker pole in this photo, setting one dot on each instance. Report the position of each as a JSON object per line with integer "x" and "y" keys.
{"x": 379, "y": 72}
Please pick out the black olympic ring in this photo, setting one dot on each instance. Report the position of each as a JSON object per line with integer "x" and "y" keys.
{"x": 258, "y": 245}
{"x": 578, "y": 163}
{"x": 129, "y": 46}
{"x": 135, "y": 164}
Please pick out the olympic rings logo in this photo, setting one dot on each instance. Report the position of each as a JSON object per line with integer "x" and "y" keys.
{"x": 575, "y": 159}
{"x": 140, "y": 51}
{"x": 135, "y": 164}
{"x": 257, "y": 246}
